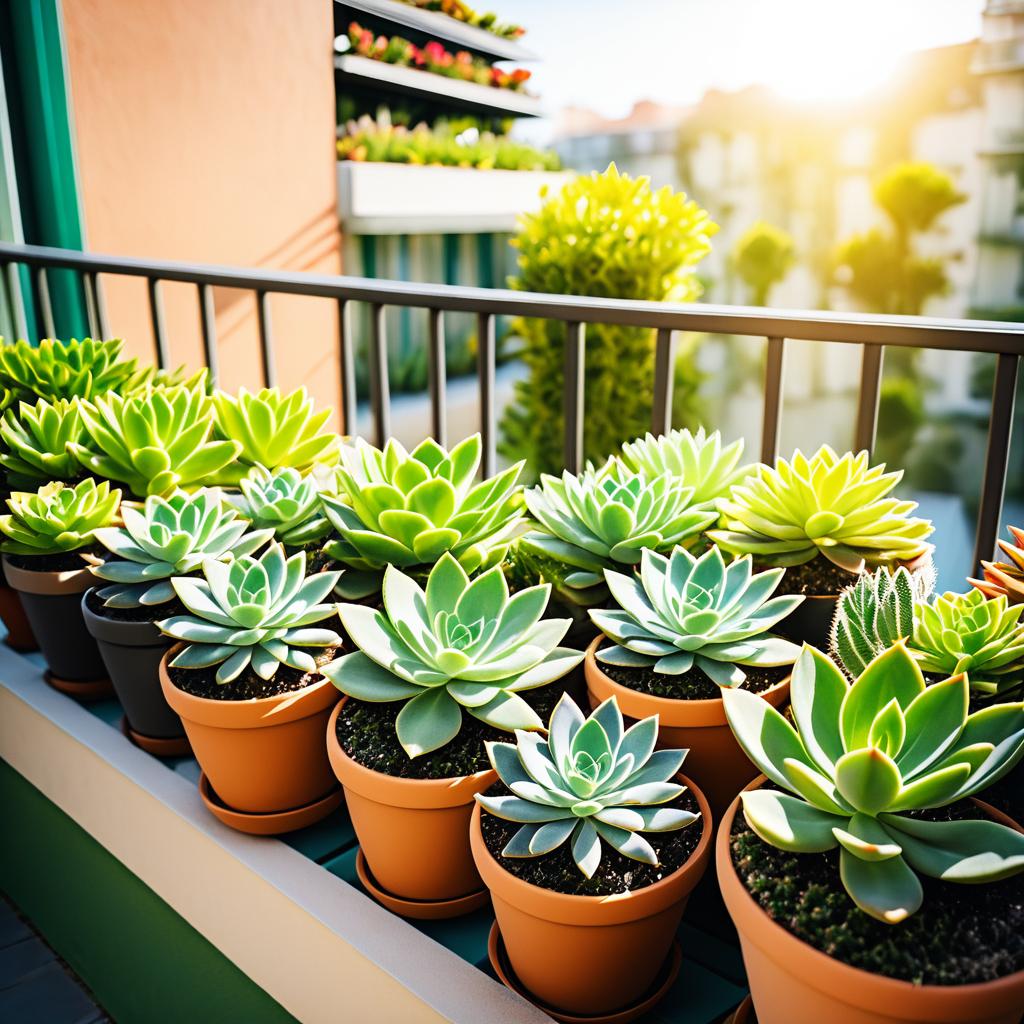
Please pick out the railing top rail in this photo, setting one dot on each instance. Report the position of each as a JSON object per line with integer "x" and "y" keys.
{"x": 844, "y": 327}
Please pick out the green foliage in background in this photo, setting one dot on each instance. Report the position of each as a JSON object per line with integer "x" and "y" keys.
{"x": 762, "y": 257}
{"x": 606, "y": 235}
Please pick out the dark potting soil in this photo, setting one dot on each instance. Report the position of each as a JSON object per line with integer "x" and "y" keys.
{"x": 317, "y": 559}
{"x": 366, "y": 732}
{"x": 615, "y": 874}
{"x": 202, "y": 682}
{"x": 963, "y": 934}
{"x": 61, "y": 562}
{"x": 817, "y": 578}
{"x": 692, "y": 685}
{"x": 143, "y": 613}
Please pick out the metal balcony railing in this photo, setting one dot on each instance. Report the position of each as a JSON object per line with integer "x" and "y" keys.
{"x": 873, "y": 334}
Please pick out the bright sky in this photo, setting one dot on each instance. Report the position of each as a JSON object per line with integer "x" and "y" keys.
{"x": 606, "y": 54}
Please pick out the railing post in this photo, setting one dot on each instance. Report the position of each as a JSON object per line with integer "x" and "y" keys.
{"x": 45, "y": 306}
{"x": 575, "y": 355}
{"x": 346, "y": 356}
{"x": 156, "y": 317}
{"x": 16, "y": 299}
{"x": 485, "y": 371}
{"x": 380, "y": 396}
{"x": 266, "y": 339}
{"x": 867, "y": 397}
{"x": 89, "y": 283}
{"x": 772, "y": 421}
{"x": 997, "y": 455}
{"x": 208, "y": 322}
{"x": 664, "y": 380}
{"x": 437, "y": 377}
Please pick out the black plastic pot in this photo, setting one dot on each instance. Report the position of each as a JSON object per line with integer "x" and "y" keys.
{"x": 811, "y": 621}
{"x": 131, "y": 652}
{"x": 53, "y": 606}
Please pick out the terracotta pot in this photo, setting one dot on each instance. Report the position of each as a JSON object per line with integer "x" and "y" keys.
{"x": 589, "y": 954}
{"x": 131, "y": 652}
{"x": 414, "y": 833}
{"x": 794, "y": 983}
{"x": 715, "y": 760}
{"x": 260, "y": 756}
{"x": 53, "y": 607}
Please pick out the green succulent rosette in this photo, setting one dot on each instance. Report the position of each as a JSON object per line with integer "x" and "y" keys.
{"x": 286, "y": 502}
{"x": 36, "y": 443}
{"x": 57, "y": 370}
{"x": 58, "y": 517}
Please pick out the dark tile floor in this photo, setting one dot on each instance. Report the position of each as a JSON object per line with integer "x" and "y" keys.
{"x": 36, "y": 986}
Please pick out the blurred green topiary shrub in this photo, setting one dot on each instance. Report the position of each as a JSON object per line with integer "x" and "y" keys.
{"x": 606, "y": 235}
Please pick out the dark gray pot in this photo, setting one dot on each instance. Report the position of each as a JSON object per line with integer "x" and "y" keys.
{"x": 53, "y": 606}
{"x": 131, "y": 652}
{"x": 810, "y": 622}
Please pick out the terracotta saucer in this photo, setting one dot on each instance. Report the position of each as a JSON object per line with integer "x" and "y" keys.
{"x": 744, "y": 1013}
{"x": 662, "y": 983}
{"x": 86, "y": 689}
{"x": 268, "y": 824}
{"x": 159, "y": 746}
{"x": 420, "y": 910}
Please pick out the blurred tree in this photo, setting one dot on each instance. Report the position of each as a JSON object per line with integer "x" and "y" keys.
{"x": 762, "y": 257}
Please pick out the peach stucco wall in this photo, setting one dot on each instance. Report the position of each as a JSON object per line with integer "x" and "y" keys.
{"x": 205, "y": 131}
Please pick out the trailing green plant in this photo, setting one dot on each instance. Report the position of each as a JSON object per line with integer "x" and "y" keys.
{"x": 969, "y": 633}
{"x": 860, "y": 758}
{"x": 35, "y": 443}
{"x": 1005, "y": 579}
{"x": 287, "y": 503}
{"x": 456, "y": 645}
{"x": 589, "y": 780}
{"x": 155, "y": 441}
{"x": 409, "y": 508}
{"x": 169, "y": 537}
{"x": 56, "y": 369}
{"x": 685, "y": 612}
{"x": 252, "y": 612}
{"x": 600, "y": 519}
{"x": 58, "y": 517}
{"x": 273, "y": 430}
{"x": 823, "y": 505}
{"x": 699, "y": 459}
{"x": 605, "y": 235}
{"x": 875, "y": 612}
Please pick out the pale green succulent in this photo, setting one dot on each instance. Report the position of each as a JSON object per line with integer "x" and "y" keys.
{"x": 56, "y": 369}
{"x": 684, "y": 612}
{"x": 35, "y": 443}
{"x": 256, "y": 612}
{"x": 286, "y": 502}
{"x": 58, "y": 517}
{"x": 983, "y": 637}
{"x": 589, "y": 779}
{"x": 274, "y": 431}
{"x": 602, "y": 519}
{"x": 875, "y": 612}
{"x": 170, "y": 537}
{"x": 860, "y": 756}
{"x": 699, "y": 460}
{"x": 458, "y": 644}
{"x": 828, "y": 505}
{"x": 155, "y": 441}
{"x": 409, "y": 508}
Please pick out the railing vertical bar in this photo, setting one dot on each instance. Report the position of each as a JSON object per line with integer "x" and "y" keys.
{"x": 997, "y": 456}
{"x": 575, "y": 356}
{"x": 437, "y": 378}
{"x": 266, "y": 339}
{"x": 102, "y": 323}
{"x": 772, "y": 422}
{"x": 485, "y": 372}
{"x": 208, "y": 323}
{"x": 16, "y": 299}
{"x": 156, "y": 316}
{"x": 380, "y": 397}
{"x": 347, "y": 362}
{"x": 867, "y": 397}
{"x": 89, "y": 282}
{"x": 45, "y": 306}
{"x": 664, "y": 380}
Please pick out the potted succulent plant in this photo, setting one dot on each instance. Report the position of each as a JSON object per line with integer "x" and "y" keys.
{"x": 274, "y": 431}
{"x": 167, "y": 537}
{"x": 438, "y": 671}
{"x": 246, "y": 681}
{"x": 1005, "y": 579}
{"x": 824, "y": 518}
{"x": 409, "y": 508}
{"x": 843, "y": 881}
{"x": 590, "y": 842}
{"x": 48, "y": 533}
{"x": 684, "y": 628}
{"x": 287, "y": 503}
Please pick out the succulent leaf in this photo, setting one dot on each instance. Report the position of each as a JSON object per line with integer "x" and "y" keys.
{"x": 1005, "y": 579}
{"x": 36, "y": 439}
{"x": 58, "y": 517}
{"x": 62, "y": 370}
{"x": 286, "y": 502}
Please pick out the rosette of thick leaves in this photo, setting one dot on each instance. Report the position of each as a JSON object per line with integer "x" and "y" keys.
{"x": 286, "y": 502}
{"x": 1005, "y": 579}
{"x": 36, "y": 439}
{"x": 458, "y": 644}
{"x": 862, "y": 755}
{"x": 56, "y": 369}
{"x": 409, "y": 508}
{"x": 590, "y": 779}
{"x": 255, "y": 612}
{"x": 169, "y": 537}
{"x": 685, "y": 612}
{"x": 58, "y": 517}
{"x": 601, "y": 519}
{"x": 828, "y": 505}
